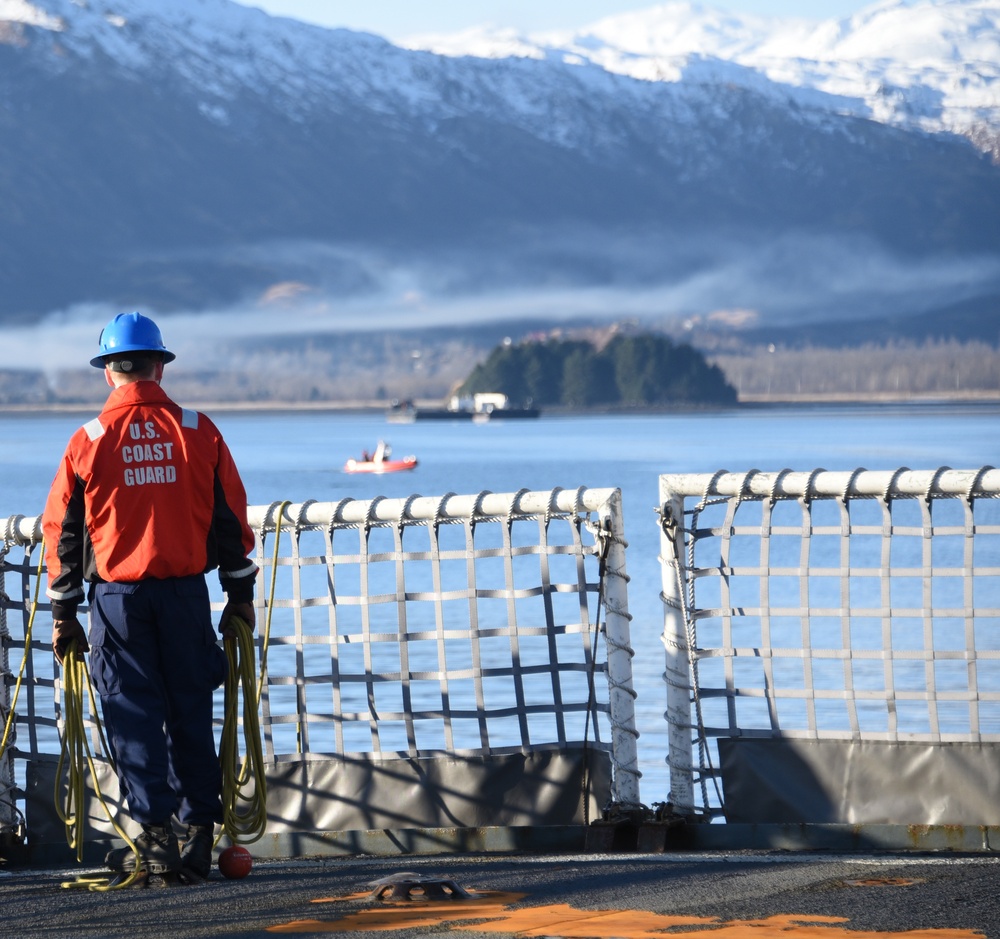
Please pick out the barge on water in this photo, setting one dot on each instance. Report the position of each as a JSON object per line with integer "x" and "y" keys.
{"x": 480, "y": 408}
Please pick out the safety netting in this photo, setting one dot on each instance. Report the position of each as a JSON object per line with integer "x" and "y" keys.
{"x": 426, "y": 661}
{"x": 861, "y": 608}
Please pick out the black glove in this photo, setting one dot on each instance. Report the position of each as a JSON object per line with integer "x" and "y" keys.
{"x": 64, "y": 631}
{"x": 244, "y": 611}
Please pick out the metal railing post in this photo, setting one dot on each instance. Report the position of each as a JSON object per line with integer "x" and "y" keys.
{"x": 8, "y": 819}
{"x": 680, "y": 754}
{"x": 625, "y": 786}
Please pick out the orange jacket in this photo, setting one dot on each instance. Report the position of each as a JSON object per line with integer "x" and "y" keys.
{"x": 145, "y": 490}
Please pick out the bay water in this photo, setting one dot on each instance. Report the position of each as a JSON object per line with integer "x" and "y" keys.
{"x": 298, "y": 455}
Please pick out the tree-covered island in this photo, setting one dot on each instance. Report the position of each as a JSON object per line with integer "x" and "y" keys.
{"x": 628, "y": 371}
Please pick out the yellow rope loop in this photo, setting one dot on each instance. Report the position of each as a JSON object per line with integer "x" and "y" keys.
{"x": 244, "y": 786}
{"x": 69, "y": 799}
{"x": 247, "y": 824}
{"x": 75, "y": 758}
{"x": 270, "y": 598}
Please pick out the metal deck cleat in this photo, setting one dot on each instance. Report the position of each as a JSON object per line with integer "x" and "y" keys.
{"x": 417, "y": 887}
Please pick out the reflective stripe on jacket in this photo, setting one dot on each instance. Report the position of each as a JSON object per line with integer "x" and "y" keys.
{"x": 146, "y": 490}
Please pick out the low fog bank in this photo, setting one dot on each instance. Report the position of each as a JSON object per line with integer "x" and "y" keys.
{"x": 350, "y": 323}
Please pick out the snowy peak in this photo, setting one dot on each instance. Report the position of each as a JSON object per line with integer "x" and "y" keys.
{"x": 930, "y": 64}
{"x": 217, "y": 52}
{"x": 27, "y": 14}
{"x": 932, "y": 32}
{"x": 679, "y": 29}
{"x": 196, "y": 38}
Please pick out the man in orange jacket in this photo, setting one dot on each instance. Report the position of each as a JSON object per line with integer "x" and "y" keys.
{"x": 147, "y": 500}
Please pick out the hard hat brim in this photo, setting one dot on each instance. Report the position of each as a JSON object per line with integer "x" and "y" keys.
{"x": 98, "y": 361}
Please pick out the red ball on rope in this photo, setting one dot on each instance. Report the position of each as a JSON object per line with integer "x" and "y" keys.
{"x": 235, "y": 862}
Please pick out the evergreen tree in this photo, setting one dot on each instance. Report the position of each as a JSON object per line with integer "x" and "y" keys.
{"x": 586, "y": 380}
{"x": 542, "y": 368}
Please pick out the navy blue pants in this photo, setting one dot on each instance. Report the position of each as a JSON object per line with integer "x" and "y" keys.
{"x": 155, "y": 662}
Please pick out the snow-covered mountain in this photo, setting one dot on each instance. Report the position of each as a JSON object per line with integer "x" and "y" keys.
{"x": 183, "y": 154}
{"x": 927, "y": 64}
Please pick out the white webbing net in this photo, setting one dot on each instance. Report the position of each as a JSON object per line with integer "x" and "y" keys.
{"x": 860, "y": 605}
{"x": 458, "y": 625}
{"x": 424, "y": 626}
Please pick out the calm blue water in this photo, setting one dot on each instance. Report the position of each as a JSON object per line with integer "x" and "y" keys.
{"x": 299, "y": 455}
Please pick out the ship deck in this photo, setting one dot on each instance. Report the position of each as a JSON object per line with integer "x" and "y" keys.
{"x": 738, "y": 893}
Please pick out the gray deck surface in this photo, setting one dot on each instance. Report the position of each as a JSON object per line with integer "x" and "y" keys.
{"x": 882, "y": 894}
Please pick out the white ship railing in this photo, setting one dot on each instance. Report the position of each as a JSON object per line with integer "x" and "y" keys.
{"x": 823, "y": 605}
{"x": 462, "y": 625}
{"x": 798, "y": 606}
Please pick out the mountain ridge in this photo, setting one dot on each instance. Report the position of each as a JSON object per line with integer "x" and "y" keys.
{"x": 196, "y": 155}
{"x": 932, "y": 65}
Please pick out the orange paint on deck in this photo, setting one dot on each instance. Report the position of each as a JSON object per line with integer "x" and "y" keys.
{"x": 491, "y": 912}
{"x": 885, "y": 882}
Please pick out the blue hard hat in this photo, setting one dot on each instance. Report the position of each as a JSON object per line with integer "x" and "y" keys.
{"x": 130, "y": 332}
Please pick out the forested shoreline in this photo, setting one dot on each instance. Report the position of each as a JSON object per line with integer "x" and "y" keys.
{"x": 372, "y": 370}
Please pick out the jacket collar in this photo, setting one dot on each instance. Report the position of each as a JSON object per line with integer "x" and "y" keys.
{"x": 135, "y": 392}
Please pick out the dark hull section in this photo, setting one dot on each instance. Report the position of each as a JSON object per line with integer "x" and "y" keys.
{"x": 411, "y": 415}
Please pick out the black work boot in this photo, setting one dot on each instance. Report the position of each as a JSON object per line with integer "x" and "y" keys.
{"x": 157, "y": 849}
{"x": 196, "y": 855}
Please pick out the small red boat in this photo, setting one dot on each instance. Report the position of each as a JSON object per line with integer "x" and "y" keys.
{"x": 380, "y": 462}
{"x": 380, "y": 466}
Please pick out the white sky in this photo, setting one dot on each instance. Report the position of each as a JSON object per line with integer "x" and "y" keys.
{"x": 395, "y": 19}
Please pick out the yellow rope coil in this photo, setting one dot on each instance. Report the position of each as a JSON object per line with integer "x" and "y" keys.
{"x": 75, "y": 758}
{"x": 244, "y": 786}
{"x": 244, "y": 807}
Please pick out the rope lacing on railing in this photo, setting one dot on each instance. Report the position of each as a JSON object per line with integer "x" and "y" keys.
{"x": 772, "y": 495}
{"x": 843, "y": 501}
{"x": 301, "y": 515}
{"x": 8, "y": 533}
{"x": 973, "y": 491}
{"x": 604, "y": 538}
{"x": 404, "y": 512}
{"x": 515, "y": 499}
{"x": 933, "y": 484}
{"x": 577, "y": 514}
{"x": 336, "y": 514}
{"x": 807, "y": 490}
{"x": 889, "y": 493}
{"x": 439, "y": 515}
{"x": 370, "y": 520}
{"x": 476, "y": 514}
{"x": 845, "y": 493}
{"x": 547, "y": 517}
